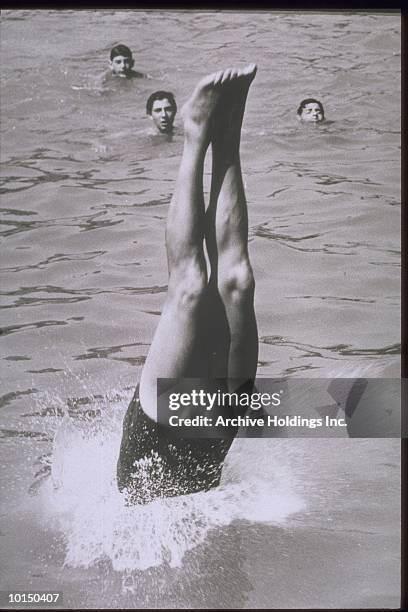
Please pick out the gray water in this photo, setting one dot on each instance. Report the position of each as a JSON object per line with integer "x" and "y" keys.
{"x": 85, "y": 191}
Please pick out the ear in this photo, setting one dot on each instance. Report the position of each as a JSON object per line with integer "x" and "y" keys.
{"x": 132, "y": 62}
{"x": 110, "y": 64}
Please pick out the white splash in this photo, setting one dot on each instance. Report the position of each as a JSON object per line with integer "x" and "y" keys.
{"x": 81, "y": 498}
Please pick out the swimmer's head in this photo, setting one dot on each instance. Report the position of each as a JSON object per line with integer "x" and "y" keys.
{"x": 311, "y": 111}
{"x": 121, "y": 61}
{"x": 162, "y": 108}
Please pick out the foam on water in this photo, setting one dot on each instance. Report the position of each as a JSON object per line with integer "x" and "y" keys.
{"x": 81, "y": 499}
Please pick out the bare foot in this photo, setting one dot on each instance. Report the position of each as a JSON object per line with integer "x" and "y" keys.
{"x": 200, "y": 109}
{"x": 228, "y": 118}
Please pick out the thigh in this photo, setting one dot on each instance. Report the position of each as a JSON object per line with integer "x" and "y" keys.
{"x": 180, "y": 349}
{"x": 217, "y": 333}
{"x": 188, "y": 343}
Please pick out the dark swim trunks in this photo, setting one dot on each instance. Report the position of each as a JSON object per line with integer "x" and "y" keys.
{"x": 152, "y": 463}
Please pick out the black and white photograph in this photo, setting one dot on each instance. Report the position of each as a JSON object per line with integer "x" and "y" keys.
{"x": 201, "y": 309}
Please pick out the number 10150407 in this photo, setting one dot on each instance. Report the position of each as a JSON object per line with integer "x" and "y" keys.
{"x": 26, "y": 597}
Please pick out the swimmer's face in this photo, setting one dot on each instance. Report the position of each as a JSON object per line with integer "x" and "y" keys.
{"x": 312, "y": 113}
{"x": 121, "y": 65}
{"x": 163, "y": 115}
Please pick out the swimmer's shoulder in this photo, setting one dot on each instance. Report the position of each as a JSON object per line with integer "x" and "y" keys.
{"x": 135, "y": 74}
{"x": 159, "y": 139}
{"x": 107, "y": 76}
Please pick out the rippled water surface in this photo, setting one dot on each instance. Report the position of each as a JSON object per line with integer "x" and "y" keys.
{"x": 85, "y": 190}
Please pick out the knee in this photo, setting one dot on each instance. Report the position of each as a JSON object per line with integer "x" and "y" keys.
{"x": 187, "y": 285}
{"x": 237, "y": 282}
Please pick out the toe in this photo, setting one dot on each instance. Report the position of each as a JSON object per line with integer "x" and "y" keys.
{"x": 226, "y": 75}
{"x": 218, "y": 77}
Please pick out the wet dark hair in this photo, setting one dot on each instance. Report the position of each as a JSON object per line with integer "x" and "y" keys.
{"x": 309, "y": 101}
{"x": 160, "y": 95}
{"x": 120, "y": 50}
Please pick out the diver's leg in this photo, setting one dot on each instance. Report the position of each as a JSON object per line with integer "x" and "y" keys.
{"x": 175, "y": 350}
{"x": 227, "y": 234}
